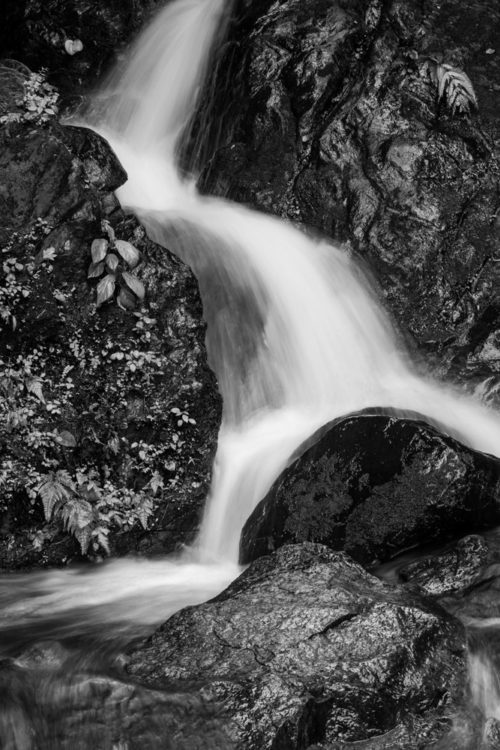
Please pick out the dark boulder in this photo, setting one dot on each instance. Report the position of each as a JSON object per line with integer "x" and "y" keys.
{"x": 307, "y": 647}
{"x": 115, "y": 404}
{"x": 328, "y": 114}
{"x": 373, "y": 485}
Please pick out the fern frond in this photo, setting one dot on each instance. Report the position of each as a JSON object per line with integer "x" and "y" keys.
{"x": 101, "y": 537}
{"x": 455, "y": 88}
{"x": 144, "y": 512}
{"x": 83, "y": 537}
{"x": 76, "y": 514}
{"x": 53, "y": 493}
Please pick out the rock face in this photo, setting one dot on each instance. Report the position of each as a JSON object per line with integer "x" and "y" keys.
{"x": 43, "y": 706}
{"x": 328, "y": 114}
{"x": 109, "y": 412}
{"x": 307, "y": 647}
{"x": 374, "y": 485}
{"x": 451, "y": 571}
{"x": 47, "y": 33}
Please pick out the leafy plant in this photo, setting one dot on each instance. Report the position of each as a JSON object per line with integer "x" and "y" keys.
{"x": 39, "y": 101}
{"x": 454, "y": 87}
{"x": 88, "y": 510}
{"x": 109, "y": 256}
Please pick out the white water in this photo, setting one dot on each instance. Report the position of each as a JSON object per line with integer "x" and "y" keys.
{"x": 295, "y": 335}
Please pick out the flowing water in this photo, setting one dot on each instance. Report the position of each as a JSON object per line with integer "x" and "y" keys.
{"x": 295, "y": 336}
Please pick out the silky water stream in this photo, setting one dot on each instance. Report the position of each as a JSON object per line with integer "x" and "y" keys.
{"x": 295, "y": 336}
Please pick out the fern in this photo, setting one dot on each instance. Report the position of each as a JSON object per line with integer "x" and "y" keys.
{"x": 55, "y": 491}
{"x": 83, "y": 537}
{"x": 454, "y": 87}
{"x": 77, "y": 515}
{"x": 144, "y": 512}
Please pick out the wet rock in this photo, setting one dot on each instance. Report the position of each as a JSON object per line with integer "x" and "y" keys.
{"x": 374, "y": 485}
{"x": 54, "y": 174}
{"x": 450, "y": 572}
{"x": 85, "y": 710}
{"x": 492, "y": 734}
{"x": 329, "y": 115}
{"x": 77, "y": 41}
{"x": 121, "y": 397}
{"x": 307, "y": 647}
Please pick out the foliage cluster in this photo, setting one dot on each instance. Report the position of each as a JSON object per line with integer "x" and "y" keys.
{"x": 92, "y": 441}
{"x": 36, "y": 100}
{"x": 108, "y": 257}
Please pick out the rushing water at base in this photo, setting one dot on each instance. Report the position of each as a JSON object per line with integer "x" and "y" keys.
{"x": 295, "y": 337}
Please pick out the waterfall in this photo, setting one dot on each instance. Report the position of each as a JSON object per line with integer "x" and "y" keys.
{"x": 295, "y": 335}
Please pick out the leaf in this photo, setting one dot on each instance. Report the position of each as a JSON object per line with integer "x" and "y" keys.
{"x": 95, "y": 270}
{"x": 127, "y": 301}
{"x": 83, "y": 536}
{"x": 34, "y": 386}
{"x": 114, "y": 445}
{"x": 144, "y": 512}
{"x": 101, "y": 537}
{"x": 73, "y": 46}
{"x": 455, "y": 87}
{"x": 129, "y": 253}
{"x": 76, "y": 514}
{"x": 49, "y": 253}
{"x": 112, "y": 261}
{"x": 54, "y": 490}
{"x": 99, "y": 248}
{"x": 106, "y": 288}
{"x": 134, "y": 284}
{"x": 156, "y": 482}
{"x": 66, "y": 439}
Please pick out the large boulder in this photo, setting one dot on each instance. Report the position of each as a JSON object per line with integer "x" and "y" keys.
{"x": 307, "y": 647}
{"x": 109, "y": 411}
{"x": 373, "y": 485}
{"x": 329, "y": 114}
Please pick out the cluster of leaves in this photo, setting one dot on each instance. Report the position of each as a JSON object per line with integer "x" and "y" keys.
{"x": 17, "y": 276}
{"x": 109, "y": 257}
{"x": 454, "y": 87}
{"x": 76, "y": 452}
{"x": 38, "y": 99}
{"x": 88, "y": 510}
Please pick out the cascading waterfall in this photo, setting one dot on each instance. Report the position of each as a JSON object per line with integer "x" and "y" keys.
{"x": 295, "y": 335}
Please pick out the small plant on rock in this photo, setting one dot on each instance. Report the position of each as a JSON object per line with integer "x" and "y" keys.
{"x": 454, "y": 87}
{"x": 39, "y": 101}
{"x": 112, "y": 258}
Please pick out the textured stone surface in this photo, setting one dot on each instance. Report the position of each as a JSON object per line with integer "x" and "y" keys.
{"x": 374, "y": 485}
{"x": 110, "y": 377}
{"x": 327, "y": 113}
{"x": 307, "y": 647}
{"x": 36, "y": 32}
{"x": 451, "y": 571}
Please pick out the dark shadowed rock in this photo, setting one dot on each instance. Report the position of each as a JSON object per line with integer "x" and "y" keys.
{"x": 373, "y": 485}
{"x": 38, "y": 32}
{"x": 54, "y": 174}
{"x": 451, "y": 571}
{"x": 307, "y": 647}
{"x": 129, "y": 390}
{"x": 327, "y": 113}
